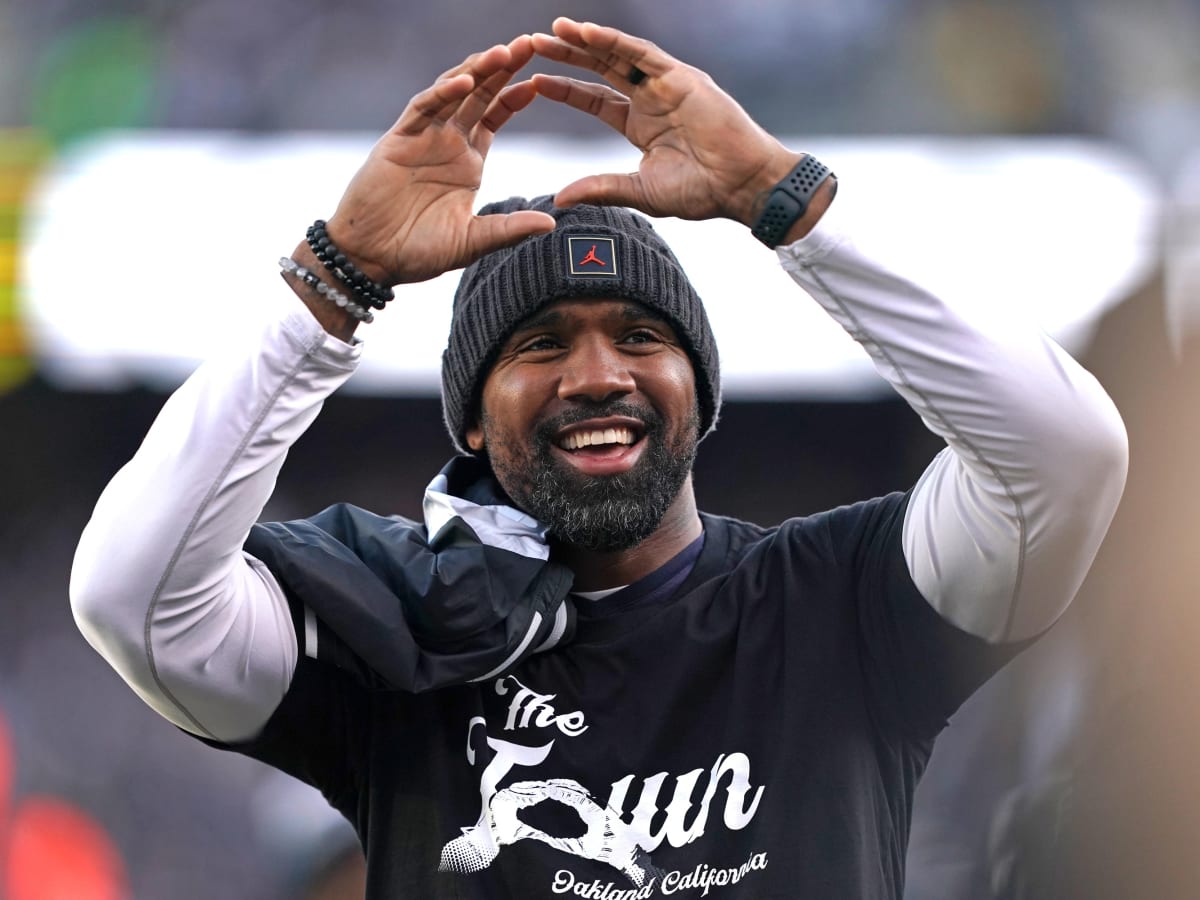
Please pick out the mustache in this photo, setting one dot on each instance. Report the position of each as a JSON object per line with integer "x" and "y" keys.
{"x": 581, "y": 412}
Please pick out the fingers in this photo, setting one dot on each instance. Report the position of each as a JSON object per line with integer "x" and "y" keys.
{"x": 609, "y": 106}
{"x": 510, "y": 101}
{"x": 447, "y": 96}
{"x": 468, "y": 92}
{"x": 610, "y": 53}
{"x": 605, "y": 190}
{"x": 430, "y": 105}
{"x": 476, "y": 105}
{"x": 488, "y": 233}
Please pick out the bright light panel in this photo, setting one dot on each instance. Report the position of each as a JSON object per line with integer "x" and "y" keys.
{"x": 145, "y": 251}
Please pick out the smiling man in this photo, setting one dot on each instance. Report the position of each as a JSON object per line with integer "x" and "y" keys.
{"x": 588, "y": 394}
{"x": 568, "y": 680}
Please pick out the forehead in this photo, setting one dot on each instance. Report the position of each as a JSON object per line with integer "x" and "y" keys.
{"x": 579, "y": 310}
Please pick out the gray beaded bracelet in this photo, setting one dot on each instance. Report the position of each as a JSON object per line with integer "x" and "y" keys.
{"x": 332, "y": 294}
{"x": 788, "y": 201}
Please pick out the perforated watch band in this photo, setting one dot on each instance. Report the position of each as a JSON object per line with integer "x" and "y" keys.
{"x": 788, "y": 201}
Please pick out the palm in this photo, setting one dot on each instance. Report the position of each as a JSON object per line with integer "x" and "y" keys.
{"x": 689, "y": 162}
{"x": 427, "y": 232}
{"x": 407, "y": 214}
{"x": 701, "y": 151}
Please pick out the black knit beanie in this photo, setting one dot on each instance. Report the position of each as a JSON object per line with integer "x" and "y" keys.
{"x": 595, "y": 251}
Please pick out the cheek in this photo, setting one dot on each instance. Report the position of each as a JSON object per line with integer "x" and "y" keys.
{"x": 675, "y": 386}
{"x": 515, "y": 395}
{"x": 503, "y": 412}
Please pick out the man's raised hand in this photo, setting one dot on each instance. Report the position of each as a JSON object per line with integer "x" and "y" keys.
{"x": 702, "y": 155}
{"x": 408, "y": 214}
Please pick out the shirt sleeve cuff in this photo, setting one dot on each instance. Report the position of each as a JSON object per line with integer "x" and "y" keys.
{"x": 302, "y": 328}
{"x": 830, "y": 232}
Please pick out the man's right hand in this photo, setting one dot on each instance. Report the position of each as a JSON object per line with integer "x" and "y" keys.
{"x": 408, "y": 214}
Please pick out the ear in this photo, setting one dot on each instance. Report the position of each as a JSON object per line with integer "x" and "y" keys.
{"x": 475, "y": 437}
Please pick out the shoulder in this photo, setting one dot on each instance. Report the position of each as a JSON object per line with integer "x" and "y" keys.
{"x": 342, "y": 528}
{"x": 839, "y": 533}
{"x": 340, "y": 521}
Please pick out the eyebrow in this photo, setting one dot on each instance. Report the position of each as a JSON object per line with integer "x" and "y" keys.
{"x": 634, "y": 311}
{"x": 629, "y": 312}
{"x": 541, "y": 319}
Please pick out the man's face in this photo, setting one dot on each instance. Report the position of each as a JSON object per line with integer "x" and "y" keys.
{"x": 590, "y": 420}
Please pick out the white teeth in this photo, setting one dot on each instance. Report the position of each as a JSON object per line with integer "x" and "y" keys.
{"x": 598, "y": 436}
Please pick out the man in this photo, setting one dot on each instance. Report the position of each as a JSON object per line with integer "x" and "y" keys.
{"x": 718, "y": 709}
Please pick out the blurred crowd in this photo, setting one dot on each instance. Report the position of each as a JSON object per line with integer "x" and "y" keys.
{"x": 1122, "y": 69}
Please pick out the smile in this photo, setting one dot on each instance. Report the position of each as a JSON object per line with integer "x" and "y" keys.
{"x": 601, "y": 448}
{"x": 598, "y": 437}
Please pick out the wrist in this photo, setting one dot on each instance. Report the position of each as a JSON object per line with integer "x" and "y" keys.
{"x": 342, "y": 234}
{"x": 765, "y": 181}
{"x": 820, "y": 202}
{"x": 794, "y": 204}
{"x": 333, "y": 318}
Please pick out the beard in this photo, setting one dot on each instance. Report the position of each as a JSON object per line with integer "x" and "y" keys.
{"x": 598, "y": 513}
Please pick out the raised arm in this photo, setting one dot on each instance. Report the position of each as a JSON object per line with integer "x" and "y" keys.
{"x": 1004, "y": 524}
{"x": 160, "y": 586}
{"x": 407, "y": 215}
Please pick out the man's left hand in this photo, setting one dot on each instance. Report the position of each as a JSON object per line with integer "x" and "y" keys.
{"x": 702, "y": 155}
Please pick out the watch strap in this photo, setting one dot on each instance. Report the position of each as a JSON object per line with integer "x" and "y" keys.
{"x": 789, "y": 200}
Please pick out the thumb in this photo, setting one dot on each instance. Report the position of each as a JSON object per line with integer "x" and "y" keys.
{"x": 604, "y": 190}
{"x": 492, "y": 232}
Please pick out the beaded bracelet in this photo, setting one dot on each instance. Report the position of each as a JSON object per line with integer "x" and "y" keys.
{"x": 332, "y": 294}
{"x": 371, "y": 293}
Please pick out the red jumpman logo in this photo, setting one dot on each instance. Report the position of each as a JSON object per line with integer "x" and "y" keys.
{"x": 592, "y": 257}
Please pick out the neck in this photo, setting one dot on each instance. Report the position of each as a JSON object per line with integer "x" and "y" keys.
{"x": 596, "y": 570}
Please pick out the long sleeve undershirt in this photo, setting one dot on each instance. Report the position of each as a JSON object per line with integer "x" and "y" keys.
{"x": 998, "y": 535}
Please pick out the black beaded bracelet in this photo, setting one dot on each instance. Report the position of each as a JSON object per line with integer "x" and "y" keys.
{"x": 789, "y": 200}
{"x": 370, "y": 292}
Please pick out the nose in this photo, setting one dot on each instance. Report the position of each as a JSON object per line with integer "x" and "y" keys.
{"x": 595, "y": 370}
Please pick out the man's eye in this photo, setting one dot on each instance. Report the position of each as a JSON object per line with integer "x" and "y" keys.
{"x": 642, "y": 337}
{"x": 542, "y": 343}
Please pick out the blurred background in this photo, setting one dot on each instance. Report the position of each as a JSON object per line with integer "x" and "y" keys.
{"x": 1071, "y": 775}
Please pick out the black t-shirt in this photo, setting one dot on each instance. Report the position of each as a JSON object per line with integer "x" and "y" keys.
{"x": 748, "y": 722}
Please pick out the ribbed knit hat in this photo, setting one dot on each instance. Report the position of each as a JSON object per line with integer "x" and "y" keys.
{"x": 595, "y": 251}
